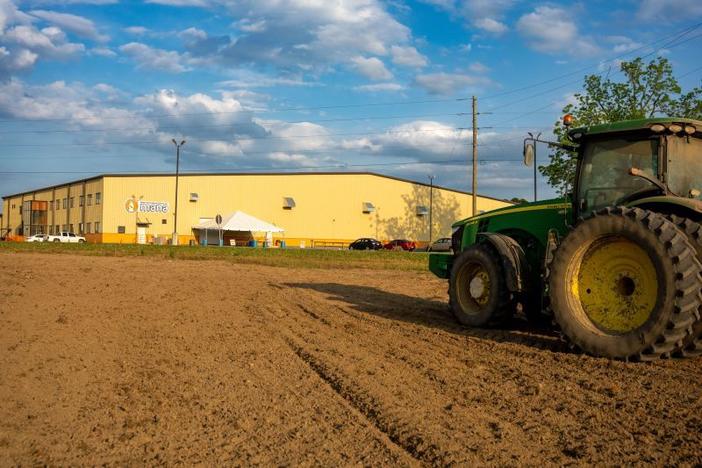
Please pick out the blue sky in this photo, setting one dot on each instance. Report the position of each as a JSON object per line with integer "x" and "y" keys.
{"x": 92, "y": 86}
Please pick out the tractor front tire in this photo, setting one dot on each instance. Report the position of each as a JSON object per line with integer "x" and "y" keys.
{"x": 692, "y": 345}
{"x": 478, "y": 294}
{"x": 625, "y": 284}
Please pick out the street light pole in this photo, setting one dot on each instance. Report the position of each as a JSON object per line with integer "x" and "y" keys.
{"x": 174, "y": 240}
{"x": 431, "y": 205}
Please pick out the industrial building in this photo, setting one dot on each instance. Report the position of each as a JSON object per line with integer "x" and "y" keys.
{"x": 312, "y": 209}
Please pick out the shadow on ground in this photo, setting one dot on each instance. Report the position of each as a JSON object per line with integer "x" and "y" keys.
{"x": 430, "y": 313}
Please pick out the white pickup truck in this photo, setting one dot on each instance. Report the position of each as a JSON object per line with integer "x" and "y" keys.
{"x": 66, "y": 237}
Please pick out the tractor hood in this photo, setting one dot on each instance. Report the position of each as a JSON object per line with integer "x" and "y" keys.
{"x": 554, "y": 203}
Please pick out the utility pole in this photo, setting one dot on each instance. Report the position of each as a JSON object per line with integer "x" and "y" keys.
{"x": 174, "y": 240}
{"x": 475, "y": 156}
{"x": 431, "y": 205}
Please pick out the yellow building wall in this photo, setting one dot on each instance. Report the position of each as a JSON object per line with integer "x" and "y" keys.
{"x": 58, "y": 217}
{"x": 329, "y": 207}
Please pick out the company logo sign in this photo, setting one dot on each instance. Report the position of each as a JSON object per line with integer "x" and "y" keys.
{"x": 133, "y": 205}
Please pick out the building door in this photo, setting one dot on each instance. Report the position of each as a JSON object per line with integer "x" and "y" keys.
{"x": 141, "y": 234}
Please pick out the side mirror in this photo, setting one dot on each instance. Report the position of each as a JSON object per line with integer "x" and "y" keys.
{"x": 528, "y": 154}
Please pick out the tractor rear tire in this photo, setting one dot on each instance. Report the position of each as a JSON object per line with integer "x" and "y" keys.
{"x": 625, "y": 284}
{"x": 478, "y": 294}
{"x": 692, "y": 345}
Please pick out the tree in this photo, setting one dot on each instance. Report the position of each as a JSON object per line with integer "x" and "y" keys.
{"x": 648, "y": 90}
{"x": 517, "y": 200}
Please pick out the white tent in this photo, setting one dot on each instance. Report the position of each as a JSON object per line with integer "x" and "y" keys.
{"x": 237, "y": 222}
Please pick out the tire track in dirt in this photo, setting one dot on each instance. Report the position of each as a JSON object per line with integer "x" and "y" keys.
{"x": 530, "y": 378}
{"x": 364, "y": 406}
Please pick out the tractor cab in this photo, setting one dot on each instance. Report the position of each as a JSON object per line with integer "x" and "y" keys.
{"x": 634, "y": 161}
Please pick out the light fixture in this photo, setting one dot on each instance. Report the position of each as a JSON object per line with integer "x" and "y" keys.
{"x": 675, "y": 128}
{"x": 568, "y": 120}
{"x": 658, "y": 128}
{"x": 689, "y": 129}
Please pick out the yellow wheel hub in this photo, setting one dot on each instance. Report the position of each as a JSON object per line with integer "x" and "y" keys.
{"x": 475, "y": 286}
{"x": 615, "y": 283}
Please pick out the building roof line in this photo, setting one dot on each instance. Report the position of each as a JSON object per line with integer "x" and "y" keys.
{"x": 190, "y": 174}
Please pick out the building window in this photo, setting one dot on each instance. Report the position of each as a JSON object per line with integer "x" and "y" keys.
{"x": 98, "y": 198}
{"x": 368, "y": 207}
{"x": 422, "y": 210}
{"x": 57, "y": 229}
{"x": 194, "y": 197}
{"x": 70, "y": 228}
{"x": 13, "y": 206}
{"x": 81, "y": 200}
{"x": 80, "y": 228}
{"x": 121, "y": 230}
{"x": 90, "y": 199}
{"x": 51, "y": 230}
{"x": 97, "y": 227}
{"x": 288, "y": 203}
{"x": 65, "y": 227}
{"x": 87, "y": 228}
{"x": 65, "y": 203}
{"x": 164, "y": 221}
{"x": 71, "y": 203}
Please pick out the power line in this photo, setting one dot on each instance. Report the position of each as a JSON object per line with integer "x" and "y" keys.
{"x": 268, "y": 168}
{"x": 290, "y": 109}
{"x": 677, "y": 35}
{"x": 400, "y": 132}
{"x": 233, "y": 124}
{"x": 669, "y": 44}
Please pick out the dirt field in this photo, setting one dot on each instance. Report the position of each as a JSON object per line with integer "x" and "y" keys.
{"x": 134, "y": 360}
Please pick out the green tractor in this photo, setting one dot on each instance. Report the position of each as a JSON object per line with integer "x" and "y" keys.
{"x": 616, "y": 266}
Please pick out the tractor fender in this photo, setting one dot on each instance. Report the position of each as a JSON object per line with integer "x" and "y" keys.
{"x": 512, "y": 257}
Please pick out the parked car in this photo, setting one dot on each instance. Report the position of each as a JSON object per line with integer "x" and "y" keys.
{"x": 366, "y": 243}
{"x": 37, "y": 238}
{"x": 400, "y": 244}
{"x": 66, "y": 237}
{"x": 441, "y": 245}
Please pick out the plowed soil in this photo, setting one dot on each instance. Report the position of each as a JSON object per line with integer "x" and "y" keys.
{"x": 144, "y": 361}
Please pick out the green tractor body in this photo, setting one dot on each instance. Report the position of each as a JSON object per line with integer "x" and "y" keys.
{"x": 605, "y": 262}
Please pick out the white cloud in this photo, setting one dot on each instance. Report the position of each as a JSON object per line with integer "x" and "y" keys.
{"x": 450, "y": 83}
{"x": 408, "y": 56}
{"x": 485, "y": 15}
{"x": 380, "y": 87}
{"x": 24, "y": 45}
{"x": 102, "y": 52}
{"x": 192, "y": 34}
{"x": 181, "y": 3}
{"x": 622, "y": 44}
{"x": 79, "y": 105}
{"x": 70, "y": 2}
{"x": 371, "y": 67}
{"x": 136, "y": 30}
{"x": 271, "y": 35}
{"x": 158, "y": 59}
{"x": 251, "y": 26}
{"x": 477, "y": 67}
{"x": 244, "y": 78}
{"x": 78, "y": 25}
{"x": 552, "y": 30}
{"x": 491, "y": 25}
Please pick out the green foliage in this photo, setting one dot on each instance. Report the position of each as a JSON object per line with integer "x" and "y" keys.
{"x": 648, "y": 90}
{"x": 517, "y": 200}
